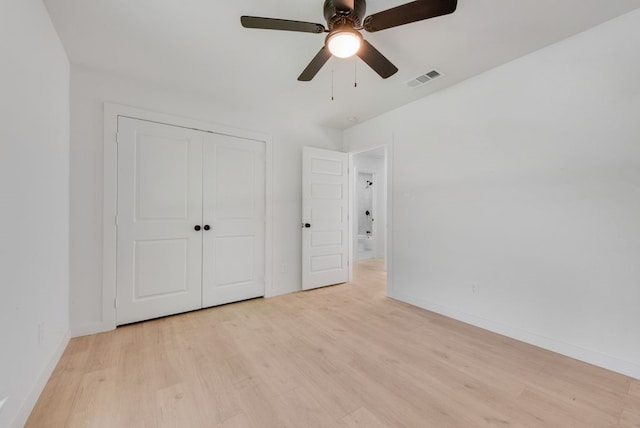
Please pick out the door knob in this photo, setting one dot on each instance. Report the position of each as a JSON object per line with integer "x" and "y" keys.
{"x": 197, "y": 228}
{"x": 207, "y": 227}
{"x": 307, "y": 225}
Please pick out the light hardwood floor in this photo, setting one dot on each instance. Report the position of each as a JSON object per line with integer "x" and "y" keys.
{"x": 342, "y": 356}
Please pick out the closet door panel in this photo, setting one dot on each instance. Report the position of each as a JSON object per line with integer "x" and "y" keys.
{"x": 234, "y": 208}
{"x": 159, "y": 252}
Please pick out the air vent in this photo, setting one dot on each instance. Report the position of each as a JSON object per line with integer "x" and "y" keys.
{"x": 423, "y": 78}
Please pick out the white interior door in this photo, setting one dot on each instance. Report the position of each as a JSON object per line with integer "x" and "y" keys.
{"x": 159, "y": 204}
{"x": 325, "y": 206}
{"x": 234, "y": 211}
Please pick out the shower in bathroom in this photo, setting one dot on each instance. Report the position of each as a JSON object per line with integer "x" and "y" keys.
{"x": 365, "y": 211}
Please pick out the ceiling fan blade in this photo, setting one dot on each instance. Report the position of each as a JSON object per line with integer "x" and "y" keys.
{"x": 376, "y": 60}
{"x": 281, "y": 24}
{"x": 344, "y": 5}
{"x": 409, "y": 12}
{"x": 315, "y": 65}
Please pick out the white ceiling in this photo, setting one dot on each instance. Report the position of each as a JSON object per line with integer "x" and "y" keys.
{"x": 199, "y": 45}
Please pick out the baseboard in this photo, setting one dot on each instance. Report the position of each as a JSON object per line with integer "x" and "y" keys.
{"x": 27, "y": 406}
{"x": 608, "y": 362}
{"x": 90, "y": 328}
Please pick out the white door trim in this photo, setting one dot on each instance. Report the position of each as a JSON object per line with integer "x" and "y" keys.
{"x": 388, "y": 247}
{"x": 110, "y": 189}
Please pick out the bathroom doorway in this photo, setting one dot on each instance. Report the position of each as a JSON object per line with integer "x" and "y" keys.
{"x": 369, "y": 206}
{"x": 366, "y": 206}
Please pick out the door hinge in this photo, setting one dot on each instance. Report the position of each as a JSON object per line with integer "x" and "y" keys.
{"x": 115, "y": 220}
{"x": 115, "y": 303}
{"x": 117, "y": 137}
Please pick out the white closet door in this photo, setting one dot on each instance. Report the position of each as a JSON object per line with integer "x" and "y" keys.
{"x": 325, "y": 205}
{"x": 159, "y": 204}
{"x": 234, "y": 209}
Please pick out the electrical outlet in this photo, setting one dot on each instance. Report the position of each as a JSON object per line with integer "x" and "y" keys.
{"x": 40, "y": 333}
{"x": 284, "y": 268}
{"x": 475, "y": 289}
{"x": 2, "y": 403}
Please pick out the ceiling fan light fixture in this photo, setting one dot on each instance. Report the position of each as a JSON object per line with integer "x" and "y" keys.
{"x": 344, "y": 43}
{"x": 345, "y": 19}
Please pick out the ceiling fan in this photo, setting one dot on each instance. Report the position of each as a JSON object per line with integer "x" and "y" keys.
{"x": 345, "y": 19}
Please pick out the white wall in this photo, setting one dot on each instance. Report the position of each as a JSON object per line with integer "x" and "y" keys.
{"x": 526, "y": 181}
{"x": 34, "y": 181}
{"x": 363, "y": 162}
{"x": 89, "y": 90}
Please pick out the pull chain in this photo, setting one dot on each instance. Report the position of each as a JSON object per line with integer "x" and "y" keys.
{"x": 355, "y": 73}
{"x": 332, "y": 85}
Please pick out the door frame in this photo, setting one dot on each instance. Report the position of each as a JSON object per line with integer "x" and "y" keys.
{"x": 110, "y": 187}
{"x": 353, "y": 225}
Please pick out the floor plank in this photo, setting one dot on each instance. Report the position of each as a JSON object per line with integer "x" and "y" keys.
{"x": 342, "y": 356}
{"x": 629, "y": 419}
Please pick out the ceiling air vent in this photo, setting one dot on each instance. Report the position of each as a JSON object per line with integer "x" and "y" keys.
{"x": 423, "y": 78}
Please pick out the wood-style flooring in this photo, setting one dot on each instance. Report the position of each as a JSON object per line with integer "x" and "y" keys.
{"x": 341, "y": 356}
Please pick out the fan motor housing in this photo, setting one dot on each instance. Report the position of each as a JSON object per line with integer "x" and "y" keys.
{"x": 336, "y": 18}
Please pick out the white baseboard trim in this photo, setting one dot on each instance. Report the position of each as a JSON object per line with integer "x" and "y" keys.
{"x": 90, "y": 328}
{"x": 29, "y": 403}
{"x": 608, "y": 362}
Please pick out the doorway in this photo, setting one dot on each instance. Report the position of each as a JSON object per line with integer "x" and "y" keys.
{"x": 366, "y": 210}
{"x": 369, "y": 213}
